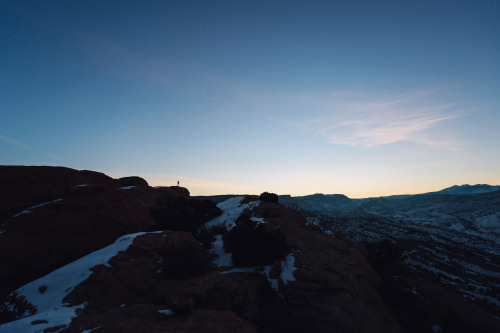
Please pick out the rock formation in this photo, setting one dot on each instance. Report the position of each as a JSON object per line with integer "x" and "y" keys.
{"x": 163, "y": 281}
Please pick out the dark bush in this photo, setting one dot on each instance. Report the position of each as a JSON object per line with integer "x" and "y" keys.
{"x": 183, "y": 214}
{"x": 383, "y": 253}
{"x": 184, "y": 261}
{"x": 206, "y": 235}
{"x": 253, "y": 245}
{"x": 268, "y": 197}
{"x": 14, "y": 306}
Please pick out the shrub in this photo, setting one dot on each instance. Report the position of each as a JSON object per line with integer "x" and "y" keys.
{"x": 206, "y": 235}
{"x": 184, "y": 261}
{"x": 183, "y": 214}
{"x": 253, "y": 245}
{"x": 383, "y": 252}
{"x": 268, "y": 197}
{"x": 14, "y": 306}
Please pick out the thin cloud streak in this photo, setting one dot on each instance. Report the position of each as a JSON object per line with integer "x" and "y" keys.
{"x": 355, "y": 118}
{"x": 13, "y": 142}
{"x": 368, "y": 121}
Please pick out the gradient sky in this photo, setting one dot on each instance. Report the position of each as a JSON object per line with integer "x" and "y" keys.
{"x": 364, "y": 98}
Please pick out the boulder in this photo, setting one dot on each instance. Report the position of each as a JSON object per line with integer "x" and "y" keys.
{"x": 133, "y": 181}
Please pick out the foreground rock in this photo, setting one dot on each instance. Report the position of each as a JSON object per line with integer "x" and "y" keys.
{"x": 57, "y": 215}
{"x": 25, "y": 186}
{"x": 130, "y": 294}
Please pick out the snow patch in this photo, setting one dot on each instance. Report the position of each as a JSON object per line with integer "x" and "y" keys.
{"x": 489, "y": 222}
{"x": 126, "y": 187}
{"x": 29, "y": 210}
{"x": 231, "y": 210}
{"x": 240, "y": 270}
{"x": 59, "y": 284}
{"x": 222, "y": 259}
{"x": 167, "y": 312}
{"x": 258, "y": 220}
{"x": 273, "y": 282}
{"x": 287, "y": 269}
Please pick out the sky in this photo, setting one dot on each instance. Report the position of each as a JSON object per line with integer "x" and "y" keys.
{"x": 363, "y": 98}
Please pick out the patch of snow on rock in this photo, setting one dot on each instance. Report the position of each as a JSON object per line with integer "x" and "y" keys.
{"x": 126, "y": 187}
{"x": 489, "y": 222}
{"x": 273, "y": 282}
{"x": 287, "y": 269}
{"x": 222, "y": 259}
{"x": 231, "y": 210}
{"x": 167, "y": 312}
{"x": 258, "y": 220}
{"x": 57, "y": 285}
{"x": 26, "y": 211}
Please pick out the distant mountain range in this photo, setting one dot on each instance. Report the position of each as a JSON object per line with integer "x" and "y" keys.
{"x": 470, "y": 189}
{"x": 453, "y": 233}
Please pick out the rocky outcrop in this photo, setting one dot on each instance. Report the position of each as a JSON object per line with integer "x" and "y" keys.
{"x": 128, "y": 295}
{"x": 133, "y": 181}
{"x": 57, "y": 215}
{"x": 335, "y": 289}
{"x": 50, "y": 236}
{"x": 25, "y": 186}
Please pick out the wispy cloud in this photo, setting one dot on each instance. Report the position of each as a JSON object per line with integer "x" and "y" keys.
{"x": 13, "y": 142}
{"x": 356, "y": 118}
{"x": 369, "y": 120}
{"x": 30, "y": 149}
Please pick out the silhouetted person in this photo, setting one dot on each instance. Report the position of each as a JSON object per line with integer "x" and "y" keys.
{"x": 177, "y": 183}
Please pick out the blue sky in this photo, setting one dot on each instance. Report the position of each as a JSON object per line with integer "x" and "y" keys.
{"x": 363, "y": 98}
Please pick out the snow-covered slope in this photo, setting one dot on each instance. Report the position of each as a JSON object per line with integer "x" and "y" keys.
{"x": 231, "y": 210}
{"x": 48, "y": 292}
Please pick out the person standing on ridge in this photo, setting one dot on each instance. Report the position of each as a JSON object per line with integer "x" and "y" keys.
{"x": 177, "y": 183}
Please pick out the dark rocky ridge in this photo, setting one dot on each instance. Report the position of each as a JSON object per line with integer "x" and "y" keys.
{"x": 336, "y": 288}
{"x": 73, "y": 213}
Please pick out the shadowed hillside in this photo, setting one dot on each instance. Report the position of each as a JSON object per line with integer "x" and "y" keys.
{"x": 115, "y": 255}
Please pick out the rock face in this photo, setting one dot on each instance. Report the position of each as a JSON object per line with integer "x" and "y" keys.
{"x": 128, "y": 295}
{"x": 335, "y": 288}
{"x": 132, "y": 181}
{"x": 57, "y": 215}
{"x": 25, "y": 186}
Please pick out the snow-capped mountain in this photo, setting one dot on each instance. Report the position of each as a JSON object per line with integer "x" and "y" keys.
{"x": 469, "y": 189}
{"x": 453, "y": 234}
